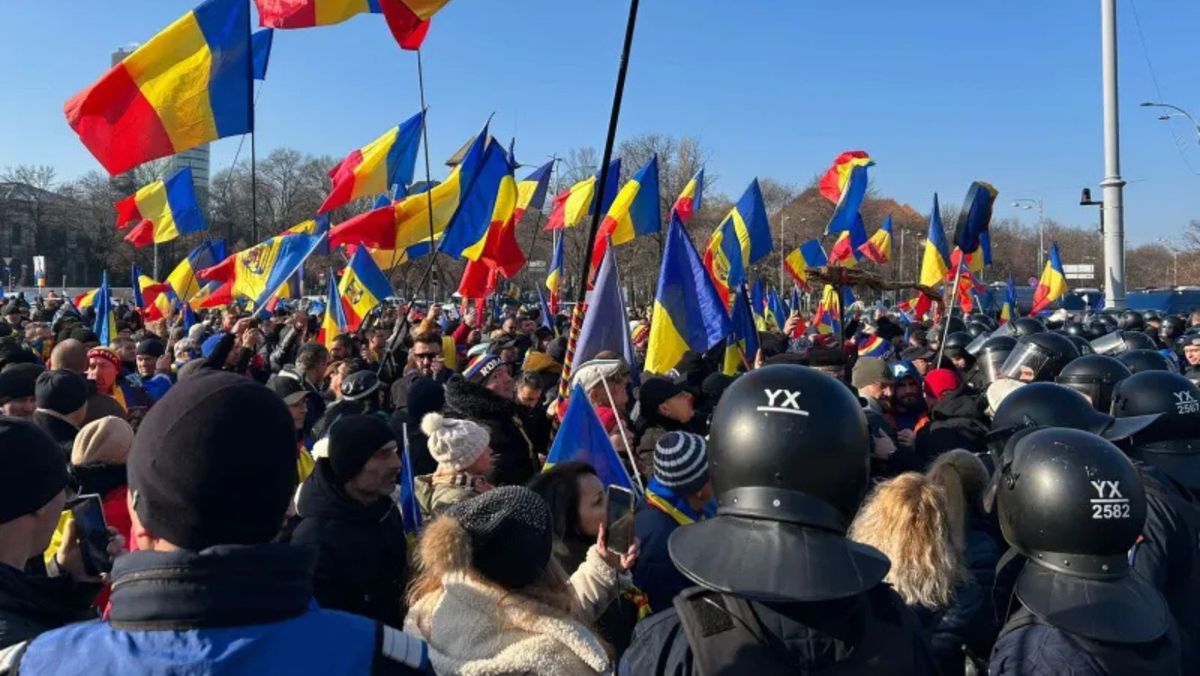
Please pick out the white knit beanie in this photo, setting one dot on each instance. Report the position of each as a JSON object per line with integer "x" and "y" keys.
{"x": 457, "y": 443}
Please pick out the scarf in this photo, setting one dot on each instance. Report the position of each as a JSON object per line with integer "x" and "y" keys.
{"x": 664, "y": 500}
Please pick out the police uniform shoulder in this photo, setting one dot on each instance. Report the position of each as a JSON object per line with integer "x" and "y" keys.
{"x": 398, "y": 652}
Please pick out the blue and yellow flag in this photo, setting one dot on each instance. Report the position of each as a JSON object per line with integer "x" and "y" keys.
{"x": 935, "y": 263}
{"x": 1008, "y": 311}
{"x": 688, "y": 312}
{"x": 582, "y": 438}
{"x": 362, "y": 289}
{"x": 106, "y": 322}
{"x": 743, "y": 238}
{"x": 531, "y": 191}
{"x": 775, "y": 312}
{"x": 334, "y": 322}
{"x": 741, "y": 346}
{"x": 260, "y": 51}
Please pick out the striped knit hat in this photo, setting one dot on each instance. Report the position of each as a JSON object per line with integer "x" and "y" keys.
{"x": 479, "y": 368}
{"x": 681, "y": 462}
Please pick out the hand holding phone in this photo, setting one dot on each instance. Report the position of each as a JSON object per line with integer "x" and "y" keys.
{"x": 92, "y": 534}
{"x": 618, "y": 520}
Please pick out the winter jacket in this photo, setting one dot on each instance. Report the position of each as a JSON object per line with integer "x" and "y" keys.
{"x": 537, "y": 426}
{"x": 965, "y": 623}
{"x": 439, "y": 491}
{"x": 32, "y": 604}
{"x": 1027, "y": 647}
{"x": 512, "y": 451}
{"x": 475, "y": 627}
{"x": 956, "y": 421}
{"x": 814, "y": 637}
{"x": 1167, "y": 556}
{"x": 225, "y": 610}
{"x": 414, "y": 441}
{"x": 616, "y": 624}
{"x": 654, "y": 572}
{"x": 62, "y": 432}
{"x": 362, "y": 563}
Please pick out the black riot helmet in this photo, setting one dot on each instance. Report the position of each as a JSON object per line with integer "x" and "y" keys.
{"x": 1073, "y": 328}
{"x": 1094, "y": 329}
{"x": 977, "y": 328}
{"x": 956, "y": 324}
{"x": 1121, "y": 341}
{"x": 1171, "y": 443}
{"x": 1073, "y": 505}
{"x": 1051, "y": 405}
{"x": 1094, "y": 376}
{"x": 1039, "y": 356}
{"x": 990, "y": 359}
{"x": 787, "y": 483}
{"x": 956, "y": 344}
{"x": 1172, "y": 328}
{"x": 1026, "y": 326}
{"x": 1131, "y": 320}
{"x": 1081, "y": 344}
{"x": 1152, "y": 316}
{"x": 1146, "y": 360}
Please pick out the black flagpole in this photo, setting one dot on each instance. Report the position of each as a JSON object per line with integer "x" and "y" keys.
{"x": 608, "y": 149}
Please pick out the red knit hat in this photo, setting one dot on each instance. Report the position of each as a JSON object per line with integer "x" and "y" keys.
{"x": 941, "y": 381}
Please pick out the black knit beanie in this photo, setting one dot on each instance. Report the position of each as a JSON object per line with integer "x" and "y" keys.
{"x": 32, "y": 470}
{"x": 213, "y": 463}
{"x": 510, "y": 531}
{"x": 425, "y": 395}
{"x": 60, "y": 390}
{"x": 353, "y": 439}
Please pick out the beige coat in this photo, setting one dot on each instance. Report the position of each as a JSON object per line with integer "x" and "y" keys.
{"x": 476, "y": 628}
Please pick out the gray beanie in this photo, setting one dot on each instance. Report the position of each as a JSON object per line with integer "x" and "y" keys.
{"x": 681, "y": 462}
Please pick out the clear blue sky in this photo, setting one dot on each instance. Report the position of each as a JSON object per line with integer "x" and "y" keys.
{"x": 940, "y": 92}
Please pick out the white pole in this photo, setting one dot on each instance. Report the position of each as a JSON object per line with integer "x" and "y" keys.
{"x": 624, "y": 441}
{"x": 1113, "y": 209}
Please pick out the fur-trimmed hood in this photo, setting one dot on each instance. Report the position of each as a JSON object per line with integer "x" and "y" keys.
{"x": 476, "y": 402}
{"x": 475, "y": 627}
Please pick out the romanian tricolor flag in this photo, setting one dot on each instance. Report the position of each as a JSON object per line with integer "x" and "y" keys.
{"x": 215, "y": 294}
{"x": 362, "y": 289}
{"x": 576, "y": 203}
{"x": 833, "y": 183}
{"x": 634, "y": 212}
{"x": 555, "y": 273}
{"x": 1052, "y": 285}
{"x": 688, "y": 313}
{"x": 808, "y": 255}
{"x": 378, "y": 167}
{"x": 936, "y": 260}
{"x": 872, "y": 345}
{"x": 311, "y": 13}
{"x": 483, "y": 222}
{"x": 531, "y": 191}
{"x": 406, "y": 223}
{"x": 409, "y": 19}
{"x": 741, "y": 346}
{"x": 744, "y": 237}
{"x": 145, "y": 289}
{"x": 689, "y": 200}
{"x": 165, "y": 209}
{"x": 183, "y": 280}
{"x": 187, "y": 86}
{"x": 847, "y": 220}
{"x": 1008, "y": 311}
{"x": 259, "y": 272}
{"x": 334, "y": 323}
{"x": 879, "y": 248}
{"x": 828, "y": 317}
{"x": 86, "y": 299}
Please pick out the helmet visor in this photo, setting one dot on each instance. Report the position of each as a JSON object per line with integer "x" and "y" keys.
{"x": 991, "y": 365}
{"x": 976, "y": 345}
{"x": 1025, "y": 356}
{"x": 1110, "y": 344}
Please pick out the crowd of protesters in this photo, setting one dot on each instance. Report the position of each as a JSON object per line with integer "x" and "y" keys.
{"x": 961, "y": 497}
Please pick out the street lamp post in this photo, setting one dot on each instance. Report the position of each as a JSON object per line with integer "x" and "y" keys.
{"x": 1174, "y": 259}
{"x": 1179, "y": 112}
{"x": 783, "y": 252}
{"x": 1112, "y": 183}
{"x": 1028, "y": 203}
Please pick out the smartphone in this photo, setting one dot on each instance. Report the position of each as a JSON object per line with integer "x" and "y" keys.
{"x": 618, "y": 519}
{"x": 92, "y": 530}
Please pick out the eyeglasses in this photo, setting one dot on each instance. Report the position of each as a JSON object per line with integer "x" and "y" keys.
{"x": 426, "y": 355}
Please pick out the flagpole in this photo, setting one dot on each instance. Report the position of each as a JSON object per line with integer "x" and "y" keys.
{"x": 538, "y": 226}
{"x": 428, "y": 174}
{"x": 949, "y": 311}
{"x": 253, "y": 96}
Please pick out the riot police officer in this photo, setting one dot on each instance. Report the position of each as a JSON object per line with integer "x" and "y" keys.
{"x": 1039, "y": 357}
{"x": 1051, "y": 405}
{"x": 955, "y": 350}
{"x": 989, "y": 361}
{"x": 1094, "y": 376}
{"x": 781, "y": 589}
{"x": 1122, "y": 341}
{"x": 1146, "y": 360}
{"x": 1026, "y": 326}
{"x": 1168, "y": 455}
{"x": 1071, "y": 504}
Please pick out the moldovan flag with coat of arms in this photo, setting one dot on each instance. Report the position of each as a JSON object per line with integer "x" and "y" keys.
{"x": 362, "y": 289}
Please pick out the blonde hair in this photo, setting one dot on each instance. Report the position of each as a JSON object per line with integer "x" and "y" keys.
{"x": 906, "y": 518}
{"x": 963, "y": 477}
